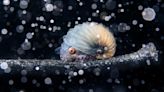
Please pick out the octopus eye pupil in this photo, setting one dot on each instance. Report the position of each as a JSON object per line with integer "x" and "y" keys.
{"x": 72, "y": 50}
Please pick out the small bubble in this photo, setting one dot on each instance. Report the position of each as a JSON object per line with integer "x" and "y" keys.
{"x": 74, "y": 73}
{"x": 48, "y": 81}
{"x": 148, "y": 14}
{"x": 81, "y": 4}
{"x": 81, "y": 72}
{"x": 23, "y": 4}
{"x": 94, "y": 6}
{"x": 29, "y": 35}
{"x": 141, "y": 25}
{"x": 148, "y": 62}
{"x": 24, "y": 79}
{"x": 129, "y": 87}
{"x": 20, "y": 51}
{"x": 91, "y": 90}
{"x": 50, "y": 45}
{"x": 81, "y": 81}
{"x": 49, "y": 7}
{"x": 23, "y": 72}
{"x": 4, "y": 65}
{"x": 11, "y": 82}
{"x": 97, "y": 71}
{"x": 109, "y": 80}
{"x": 8, "y": 70}
{"x": 4, "y": 31}
{"x": 70, "y": 7}
{"x": 51, "y": 21}
{"x": 34, "y": 81}
{"x": 63, "y": 82}
{"x": 121, "y": 10}
{"x": 6, "y": 2}
{"x": 110, "y": 4}
{"x": 157, "y": 29}
{"x": 37, "y": 68}
{"x": 134, "y": 22}
{"x": 20, "y": 28}
{"x": 140, "y": 7}
{"x": 26, "y": 45}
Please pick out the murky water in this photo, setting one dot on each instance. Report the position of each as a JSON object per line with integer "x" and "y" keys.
{"x": 33, "y": 29}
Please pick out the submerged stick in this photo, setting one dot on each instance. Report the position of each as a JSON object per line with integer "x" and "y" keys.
{"x": 33, "y": 66}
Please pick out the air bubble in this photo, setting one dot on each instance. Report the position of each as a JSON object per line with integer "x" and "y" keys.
{"x": 48, "y": 81}
{"x": 49, "y": 7}
{"x": 148, "y": 14}
{"x": 4, "y": 31}
{"x": 4, "y": 65}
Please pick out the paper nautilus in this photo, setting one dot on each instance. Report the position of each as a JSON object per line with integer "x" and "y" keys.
{"x": 89, "y": 40}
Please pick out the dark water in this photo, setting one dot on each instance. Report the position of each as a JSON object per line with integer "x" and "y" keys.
{"x": 32, "y": 29}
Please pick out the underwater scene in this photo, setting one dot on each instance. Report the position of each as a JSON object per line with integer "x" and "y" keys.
{"x": 81, "y": 45}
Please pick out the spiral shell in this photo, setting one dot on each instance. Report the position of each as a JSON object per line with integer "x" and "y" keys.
{"x": 90, "y": 39}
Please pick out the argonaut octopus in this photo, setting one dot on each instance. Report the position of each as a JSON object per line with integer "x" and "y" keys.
{"x": 89, "y": 40}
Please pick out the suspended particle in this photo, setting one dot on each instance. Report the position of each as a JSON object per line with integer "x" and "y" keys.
{"x": 148, "y": 14}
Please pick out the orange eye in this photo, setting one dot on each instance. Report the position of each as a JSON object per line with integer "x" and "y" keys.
{"x": 72, "y": 50}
